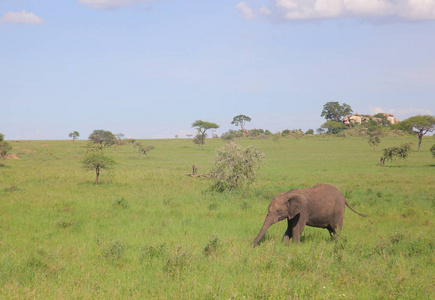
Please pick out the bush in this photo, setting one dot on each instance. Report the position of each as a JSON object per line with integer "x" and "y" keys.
{"x": 142, "y": 150}
{"x": 232, "y": 135}
{"x": 5, "y": 147}
{"x": 102, "y": 137}
{"x": 401, "y": 152}
{"x": 235, "y": 167}
{"x": 199, "y": 139}
{"x": 432, "y": 149}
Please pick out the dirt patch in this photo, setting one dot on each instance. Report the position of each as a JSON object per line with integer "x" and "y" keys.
{"x": 26, "y": 150}
{"x": 14, "y": 156}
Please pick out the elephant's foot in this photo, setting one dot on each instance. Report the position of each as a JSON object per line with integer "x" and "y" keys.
{"x": 286, "y": 239}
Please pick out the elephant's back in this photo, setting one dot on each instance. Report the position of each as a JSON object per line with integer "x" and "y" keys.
{"x": 321, "y": 194}
{"x": 318, "y": 189}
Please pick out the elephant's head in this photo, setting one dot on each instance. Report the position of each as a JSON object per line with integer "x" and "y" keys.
{"x": 283, "y": 206}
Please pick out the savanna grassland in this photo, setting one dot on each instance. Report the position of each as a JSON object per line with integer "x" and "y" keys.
{"x": 148, "y": 231}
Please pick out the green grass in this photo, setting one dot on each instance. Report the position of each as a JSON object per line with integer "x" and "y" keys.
{"x": 150, "y": 232}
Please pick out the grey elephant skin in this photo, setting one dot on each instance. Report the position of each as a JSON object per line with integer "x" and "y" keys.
{"x": 319, "y": 206}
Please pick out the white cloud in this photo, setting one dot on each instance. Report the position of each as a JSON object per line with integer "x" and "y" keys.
{"x": 408, "y": 10}
{"x": 22, "y": 17}
{"x": 401, "y": 113}
{"x": 409, "y": 112}
{"x": 109, "y": 4}
{"x": 375, "y": 110}
{"x": 245, "y": 10}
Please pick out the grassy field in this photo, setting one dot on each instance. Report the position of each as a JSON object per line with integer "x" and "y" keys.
{"x": 150, "y": 232}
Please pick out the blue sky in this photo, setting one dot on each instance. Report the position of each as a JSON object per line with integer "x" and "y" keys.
{"x": 149, "y": 69}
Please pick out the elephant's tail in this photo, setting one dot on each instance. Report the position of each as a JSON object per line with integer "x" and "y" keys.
{"x": 348, "y": 205}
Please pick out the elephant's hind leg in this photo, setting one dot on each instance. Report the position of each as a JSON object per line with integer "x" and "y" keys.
{"x": 332, "y": 232}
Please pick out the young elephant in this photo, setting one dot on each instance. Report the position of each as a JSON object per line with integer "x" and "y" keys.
{"x": 319, "y": 206}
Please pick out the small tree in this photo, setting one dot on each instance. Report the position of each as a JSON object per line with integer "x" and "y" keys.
{"x": 97, "y": 161}
{"x": 142, "y": 150}
{"x": 333, "y": 127}
{"x": 235, "y": 167}
{"x": 4, "y": 150}
{"x": 333, "y": 111}
{"x": 374, "y": 142}
{"x": 375, "y": 133}
{"x": 102, "y": 137}
{"x": 393, "y": 153}
{"x": 241, "y": 120}
{"x": 419, "y": 125}
{"x": 119, "y": 136}
{"x": 74, "y": 135}
{"x": 310, "y": 131}
{"x": 432, "y": 149}
{"x": 202, "y": 127}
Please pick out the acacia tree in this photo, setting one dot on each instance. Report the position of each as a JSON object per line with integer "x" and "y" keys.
{"x": 419, "y": 125}
{"x": 241, "y": 120}
{"x": 333, "y": 111}
{"x": 103, "y": 138}
{"x": 74, "y": 135}
{"x": 97, "y": 161}
{"x": 202, "y": 127}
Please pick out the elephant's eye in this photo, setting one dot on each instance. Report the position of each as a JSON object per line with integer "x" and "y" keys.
{"x": 278, "y": 211}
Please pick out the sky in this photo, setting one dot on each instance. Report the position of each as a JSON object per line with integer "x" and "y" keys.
{"x": 150, "y": 68}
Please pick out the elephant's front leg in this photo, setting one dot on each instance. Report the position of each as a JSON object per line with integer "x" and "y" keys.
{"x": 297, "y": 227}
{"x": 288, "y": 233}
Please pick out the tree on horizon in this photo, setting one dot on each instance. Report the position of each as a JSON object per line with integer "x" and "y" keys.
{"x": 202, "y": 127}
{"x": 241, "y": 120}
{"x": 333, "y": 111}
{"x": 74, "y": 135}
{"x": 419, "y": 125}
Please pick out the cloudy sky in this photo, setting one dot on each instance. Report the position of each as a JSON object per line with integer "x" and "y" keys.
{"x": 150, "y": 68}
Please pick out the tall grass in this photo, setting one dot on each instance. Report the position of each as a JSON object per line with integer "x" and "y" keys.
{"x": 150, "y": 232}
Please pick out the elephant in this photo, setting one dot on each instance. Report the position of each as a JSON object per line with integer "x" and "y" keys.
{"x": 319, "y": 206}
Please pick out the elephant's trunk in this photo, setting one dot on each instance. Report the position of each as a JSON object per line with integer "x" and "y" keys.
{"x": 267, "y": 223}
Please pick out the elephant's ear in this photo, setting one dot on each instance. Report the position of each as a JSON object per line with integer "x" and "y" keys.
{"x": 296, "y": 204}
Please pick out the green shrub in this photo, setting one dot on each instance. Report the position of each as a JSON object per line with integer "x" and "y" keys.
{"x": 142, "y": 150}
{"x": 235, "y": 167}
{"x": 393, "y": 153}
{"x": 232, "y": 135}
